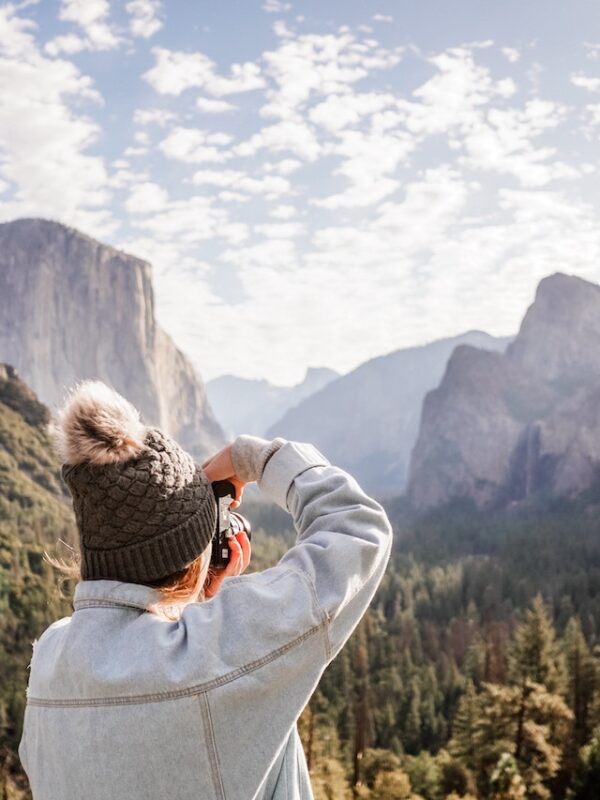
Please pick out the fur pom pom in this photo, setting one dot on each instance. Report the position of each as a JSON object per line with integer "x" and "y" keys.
{"x": 96, "y": 425}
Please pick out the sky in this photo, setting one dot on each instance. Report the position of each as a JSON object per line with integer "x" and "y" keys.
{"x": 314, "y": 183}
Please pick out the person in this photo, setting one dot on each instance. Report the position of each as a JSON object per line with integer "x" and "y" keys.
{"x": 167, "y": 680}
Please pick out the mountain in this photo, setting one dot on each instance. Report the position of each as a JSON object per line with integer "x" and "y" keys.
{"x": 34, "y": 515}
{"x": 504, "y": 427}
{"x": 244, "y": 405}
{"x": 31, "y": 489}
{"x": 73, "y": 308}
{"x": 367, "y": 421}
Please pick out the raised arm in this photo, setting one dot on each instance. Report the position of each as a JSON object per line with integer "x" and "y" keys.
{"x": 344, "y": 536}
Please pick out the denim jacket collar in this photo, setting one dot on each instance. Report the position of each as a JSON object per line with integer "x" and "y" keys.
{"x": 113, "y": 593}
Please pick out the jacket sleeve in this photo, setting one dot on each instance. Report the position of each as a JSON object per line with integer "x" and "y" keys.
{"x": 343, "y": 538}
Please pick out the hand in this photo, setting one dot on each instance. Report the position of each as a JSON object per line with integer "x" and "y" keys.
{"x": 239, "y": 559}
{"x": 220, "y": 468}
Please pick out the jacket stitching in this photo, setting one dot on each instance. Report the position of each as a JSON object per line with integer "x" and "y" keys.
{"x": 93, "y": 603}
{"x": 325, "y": 618}
{"x": 189, "y": 691}
{"x": 209, "y": 733}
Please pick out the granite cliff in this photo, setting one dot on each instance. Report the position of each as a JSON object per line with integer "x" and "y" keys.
{"x": 504, "y": 427}
{"x": 73, "y": 308}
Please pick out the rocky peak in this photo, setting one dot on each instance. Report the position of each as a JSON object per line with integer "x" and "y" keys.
{"x": 15, "y": 394}
{"x": 73, "y": 308}
{"x": 503, "y": 426}
{"x": 559, "y": 337}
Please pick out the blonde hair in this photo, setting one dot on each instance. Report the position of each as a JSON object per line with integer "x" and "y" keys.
{"x": 175, "y": 590}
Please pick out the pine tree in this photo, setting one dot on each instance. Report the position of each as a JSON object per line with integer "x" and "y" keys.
{"x": 412, "y": 722}
{"x": 393, "y": 785}
{"x": 462, "y": 745}
{"x": 363, "y": 718}
{"x": 581, "y": 680}
{"x": 534, "y": 654}
{"x": 587, "y": 777}
{"x": 506, "y": 783}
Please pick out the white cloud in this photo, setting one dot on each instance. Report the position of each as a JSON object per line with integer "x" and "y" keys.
{"x": 190, "y": 221}
{"x": 141, "y": 137}
{"x": 455, "y": 95}
{"x": 511, "y": 54}
{"x": 92, "y": 17}
{"x": 341, "y": 110}
{"x": 425, "y": 188}
{"x": 146, "y": 198}
{"x": 585, "y": 82}
{"x": 213, "y": 177}
{"x": 402, "y": 228}
{"x": 284, "y": 167}
{"x": 503, "y": 143}
{"x": 195, "y": 146}
{"x": 276, "y": 6}
{"x": 154, "y": 116}
{"x": 272, "y": 186}
{"x": 284, "y": 212}
{"x": 593, "y": 109}
{"x": 593, "y": 51}
{"x": 228, "y": 196}
{"x": 382, "y": 18}
{"x": 69, "y": 44}
{"x": 145, "y": 17}
{"x": 280, "y": 230}
{"x": 210, "y": 106}
{"x": 136, "y": 152}
{"x": 293, "y": 136}
{"x": 309, "y": 65}
{"x": 125, "y": 177}
{"x": 44, "y": 144}
{"x": 174, "y": 72}
{"x": 277, "y": 252}
{"x": 370, "y": 161}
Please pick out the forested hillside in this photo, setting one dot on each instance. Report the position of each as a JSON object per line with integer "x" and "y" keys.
{"x": 475, "y": 675}
{"x": 32, "y": 514}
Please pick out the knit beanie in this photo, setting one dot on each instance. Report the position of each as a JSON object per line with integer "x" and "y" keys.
{"x": 144, "y": 508}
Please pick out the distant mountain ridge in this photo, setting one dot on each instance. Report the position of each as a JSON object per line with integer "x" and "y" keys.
{"x": 245, "y": 405}
{"x": 73, "y": 308}
{"x": 367, "y": 421}
{"x": 504, "y": 427}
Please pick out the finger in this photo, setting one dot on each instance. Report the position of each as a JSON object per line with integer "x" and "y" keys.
{"x": 235, "y": 557}
{"x": 219, "y": 465}
{"x": 239, "y": 488}
{"x": 244, "y": 542}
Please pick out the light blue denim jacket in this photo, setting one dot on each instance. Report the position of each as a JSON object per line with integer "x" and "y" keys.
{"x": 122, "y": 705}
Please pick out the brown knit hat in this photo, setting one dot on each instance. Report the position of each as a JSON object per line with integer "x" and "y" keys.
{"x": 144, "y": 508}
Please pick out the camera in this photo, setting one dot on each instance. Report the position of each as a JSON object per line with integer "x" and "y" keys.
{"x": 228, "y": 524}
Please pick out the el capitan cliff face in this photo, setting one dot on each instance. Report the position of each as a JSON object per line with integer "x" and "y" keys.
{"x": 503, "y": 427}
{"x": 73, "y": 308}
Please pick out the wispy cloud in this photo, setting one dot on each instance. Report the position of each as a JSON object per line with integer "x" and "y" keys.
{"x": 398, "y": 193}
{"x": 43, "y": 142}
{"x": 175, "y": 72}
{"x": 92, "y": 17}
{"x": 145, "y": 17}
